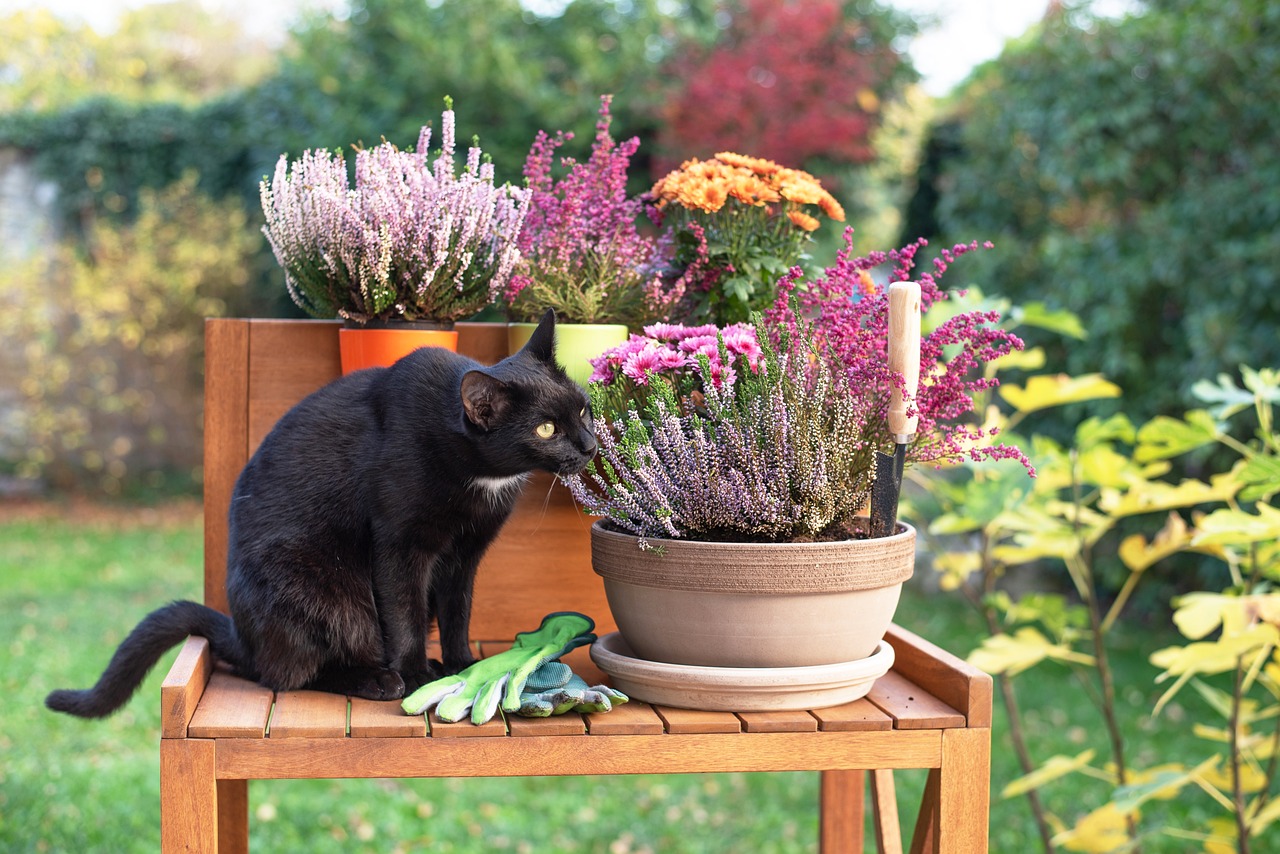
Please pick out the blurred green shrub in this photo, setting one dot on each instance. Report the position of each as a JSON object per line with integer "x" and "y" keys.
{"x": 1126, "y": 171}
{"x": 108, "y": 341}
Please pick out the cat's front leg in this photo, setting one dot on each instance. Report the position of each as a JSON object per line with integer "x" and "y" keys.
{"x": 401, "y": 593}
{"x": 452, "y": 586}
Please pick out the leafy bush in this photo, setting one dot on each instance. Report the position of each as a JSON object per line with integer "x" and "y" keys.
{"x": 109, "y": 341}
{"x": 1111, "y": 473}
{"x": 1126, "y": 171}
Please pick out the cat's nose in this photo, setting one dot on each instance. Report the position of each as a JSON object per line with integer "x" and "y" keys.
{"x": 587, "y": 442}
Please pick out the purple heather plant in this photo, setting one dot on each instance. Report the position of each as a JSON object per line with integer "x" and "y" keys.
{"x": 582, "y": 253}
{"x": 413, "y": 238}
{"x": 770, "y": 448}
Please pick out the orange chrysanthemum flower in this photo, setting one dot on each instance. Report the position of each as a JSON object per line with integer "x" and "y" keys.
{"x": 803, "y": 220}
{"x": 757, "y": 165}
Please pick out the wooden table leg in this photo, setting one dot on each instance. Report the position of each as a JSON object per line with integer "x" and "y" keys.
{"x": 188, "y": 796}
{"x": 233, "y": 817}
{"x": 884, "y": 809}
{"x": 842, "y": 812}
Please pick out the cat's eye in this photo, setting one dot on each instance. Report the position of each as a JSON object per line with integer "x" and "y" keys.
{"x": 545, "y": 430}
{"x": 583, "y": 413}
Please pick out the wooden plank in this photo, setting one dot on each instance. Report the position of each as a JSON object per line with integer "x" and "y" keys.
{"x": 635, "y": 754}
{"x": 951, "y": 679}
{"x": 884, "y": 810}
{"x": 858, "y": 716}
{"x": 226, "y": 402}
{"x": 964, "y": 791}
{"x": 633, "y": 718}
{"x": 288, "y": 359}
{"x": 924, "y": 840}
{"x": 495, "y": 727}
{"x": 309, "y": 714}
{"x": 384, "y": 719}
{"x": 540, "y": 563}
{"x": 484, "y": 342}
{"x": 183, "y": 685}
{"x": 841, "y": 812}
{"x": 233, "y": 817}
{"x": 778, "y": 722}
{"x": 687, "y": 721}
{"x": 231, "y": 708}
{"x": 188, "y": 795}
{"x": 910, "y": 706}
{"x": 570, "y": 723}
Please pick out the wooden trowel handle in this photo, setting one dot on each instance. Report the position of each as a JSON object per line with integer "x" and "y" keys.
{"x": 904, "y": 353}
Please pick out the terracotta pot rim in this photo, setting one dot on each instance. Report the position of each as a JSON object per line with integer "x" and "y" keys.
{"x": 400, "y": 324}
{"x": 568, "y": 325}
{"x": 845, "y": 565}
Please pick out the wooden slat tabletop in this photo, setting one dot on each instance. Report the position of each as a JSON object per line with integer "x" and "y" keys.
{"x": 236, "y": 708}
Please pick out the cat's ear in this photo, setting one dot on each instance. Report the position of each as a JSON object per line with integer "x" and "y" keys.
{"x": 485, "y": 399}
{"x": 542, "y": 344}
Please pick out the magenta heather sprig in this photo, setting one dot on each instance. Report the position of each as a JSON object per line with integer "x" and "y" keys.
{"x": 849, "y": 313}
{"x": 414, "y": 238}
{"x": 582, "y": 253}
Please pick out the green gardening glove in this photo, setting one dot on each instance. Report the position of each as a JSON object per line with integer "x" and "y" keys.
{"x": 554, "y": 689}
{"x": 500, "y": 678}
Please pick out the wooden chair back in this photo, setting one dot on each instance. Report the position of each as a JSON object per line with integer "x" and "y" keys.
{"x": 255, "y": 370}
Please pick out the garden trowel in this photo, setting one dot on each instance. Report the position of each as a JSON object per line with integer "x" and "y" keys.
{"x": 904, "y": 359}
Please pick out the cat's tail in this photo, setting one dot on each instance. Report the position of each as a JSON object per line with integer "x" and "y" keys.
{"x": 159, "y": 631}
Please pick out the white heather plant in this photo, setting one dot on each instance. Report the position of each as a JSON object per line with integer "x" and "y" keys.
{"x": 414, "y": 239}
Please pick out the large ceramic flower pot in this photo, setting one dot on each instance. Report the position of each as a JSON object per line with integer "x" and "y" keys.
{"x": 379, "y": 345}
{"x": 752, "y": 604}
{"x": 576, "y": 344}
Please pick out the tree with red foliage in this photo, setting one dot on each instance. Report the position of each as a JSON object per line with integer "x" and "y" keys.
{"x": 789, "y": 80}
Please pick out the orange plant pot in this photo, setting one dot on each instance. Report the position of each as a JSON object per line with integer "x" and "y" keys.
{"x": 380, "y": 347}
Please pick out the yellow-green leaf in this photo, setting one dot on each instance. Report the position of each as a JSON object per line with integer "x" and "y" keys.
{"x": 1163, "y": 437}
{"x": 1265, "y": 817}
{"x": 1138, "y": 554}
{"x": 1213, "y": 656}
{"x": 1103, "y": 830}
{"x": 1230, "y": 527}
{"x": 1198, "y": 614}
{"x": 1150, "y": 496}
{"x": 956, "y": 567}
{"x": 1032, "y": 359}
{"x": 1013, "y": 653}
{"x": 1053, "y": 768}
{"x": 1045, "y": 391}
{"x": 1161, "y": 783}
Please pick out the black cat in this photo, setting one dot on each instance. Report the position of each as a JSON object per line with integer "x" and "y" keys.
{"x": 362, "y": 517}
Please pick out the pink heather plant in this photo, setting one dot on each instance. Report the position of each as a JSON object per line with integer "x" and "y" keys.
{"x": 776, "y": 424}
{"x": 850, "y": 316}
{"x": 413, "y": 239}
{"x": 582, "y": 253}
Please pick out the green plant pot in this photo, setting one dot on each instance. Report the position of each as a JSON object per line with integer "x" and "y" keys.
{"x": 576, "y": 344}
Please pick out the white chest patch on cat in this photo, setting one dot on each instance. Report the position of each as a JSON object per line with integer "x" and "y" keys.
{"x": 499, "y": 490}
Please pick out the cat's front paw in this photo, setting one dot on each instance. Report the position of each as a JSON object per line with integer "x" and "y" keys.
{"x": 415, "y": 679}
{"x": 381, "y": 685}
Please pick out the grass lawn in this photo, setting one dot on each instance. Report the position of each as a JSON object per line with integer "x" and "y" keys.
{"x": 74, "y": 580}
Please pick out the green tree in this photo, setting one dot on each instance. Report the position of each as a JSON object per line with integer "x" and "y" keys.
{"x": 175, "y": 51}
{"x": 1126, "y": 171}
{"x": 382, "y": 70}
